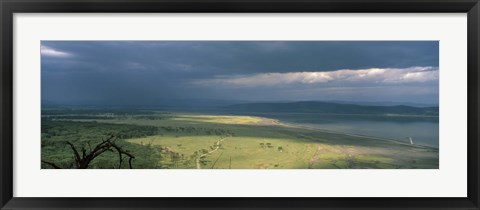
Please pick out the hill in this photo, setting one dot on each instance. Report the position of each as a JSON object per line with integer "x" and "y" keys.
{"x": 333, "y": 108}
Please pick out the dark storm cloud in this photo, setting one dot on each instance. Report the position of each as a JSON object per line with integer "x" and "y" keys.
{"x": 252, "y": 57}
{"x": 141, "y": 72}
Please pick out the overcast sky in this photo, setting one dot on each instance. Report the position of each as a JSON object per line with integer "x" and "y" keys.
{"x": 154, "y": 72}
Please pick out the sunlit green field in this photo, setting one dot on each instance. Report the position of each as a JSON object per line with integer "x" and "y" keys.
{"x": 202, "y": 141}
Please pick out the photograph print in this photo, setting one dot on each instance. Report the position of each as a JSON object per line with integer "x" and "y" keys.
{"x": 239, "y": 104}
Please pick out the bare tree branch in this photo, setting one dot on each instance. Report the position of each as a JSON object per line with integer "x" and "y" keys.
{"x": 106, "y": 145}
{"x": 52, "y": 164}
{"x": 75, "y": 152}
{"x": 123, "y": 152}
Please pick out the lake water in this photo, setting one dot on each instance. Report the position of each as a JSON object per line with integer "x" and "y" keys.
{"x": 423, "y": 130}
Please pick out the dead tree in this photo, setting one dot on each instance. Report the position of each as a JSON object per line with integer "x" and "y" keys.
{"x": 82, "y": 161}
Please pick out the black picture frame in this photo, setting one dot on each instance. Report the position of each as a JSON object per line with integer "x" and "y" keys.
{"x": 9, "y": 7}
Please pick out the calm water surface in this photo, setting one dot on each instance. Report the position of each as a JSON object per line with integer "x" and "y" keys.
{"x": 423, "y": 130}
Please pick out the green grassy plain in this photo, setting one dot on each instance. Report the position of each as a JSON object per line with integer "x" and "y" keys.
{"x": 189, "y": 141}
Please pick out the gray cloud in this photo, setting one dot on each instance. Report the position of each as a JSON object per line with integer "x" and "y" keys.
{"x": 359, "y": 77}
{"x": 152, "y": 72}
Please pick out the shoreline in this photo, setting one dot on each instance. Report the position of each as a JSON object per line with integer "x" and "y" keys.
{"x": 278, "y": 122}
{"x": 265, "y": 121}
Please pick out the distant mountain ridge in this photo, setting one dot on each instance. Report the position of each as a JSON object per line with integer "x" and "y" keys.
{"x": 333, "y": 108}
{"x": 384, "y": 103}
